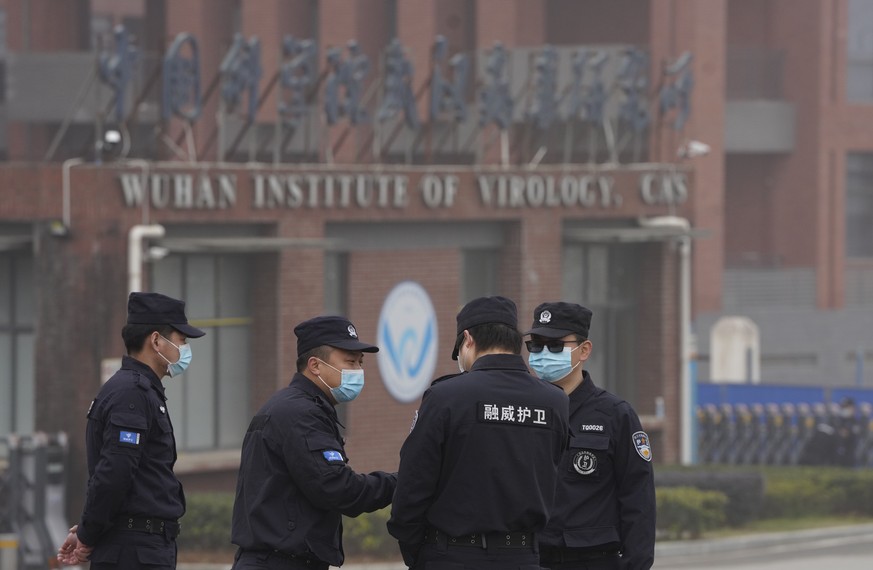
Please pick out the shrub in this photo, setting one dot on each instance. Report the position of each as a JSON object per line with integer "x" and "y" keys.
{"x": 805, "y": 492}
{"x": 367, "y": 535}
{"x": 206, "y": 524}
{"x": 744, "y": 489}
{"x": 685, "y": 512}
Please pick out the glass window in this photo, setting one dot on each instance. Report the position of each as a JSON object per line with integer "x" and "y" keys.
{"x": 209, "y": 404}
{"x": 479, "y": 274}
{"x": 604, "y": 278}
{"x": 859, "y": 205}
{"x": 335, "y": 280}
{"x": 859, "y": 53}
{"x": 17, "y": 380}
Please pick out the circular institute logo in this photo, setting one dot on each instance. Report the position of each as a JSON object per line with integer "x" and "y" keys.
{"x": 407, "y": 340}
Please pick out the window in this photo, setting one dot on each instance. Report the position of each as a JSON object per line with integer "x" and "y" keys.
{"x": 17, "y": 314}
{"x": 859, "y": 53}
{"x": 859, "y": 205}
{"x": 209, "y": 404}
{"x": 336, "y": 283}
{"x": 605, "y": 278}
{"x": 480, "y": 267}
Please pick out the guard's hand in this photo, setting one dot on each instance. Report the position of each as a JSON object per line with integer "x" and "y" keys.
{"x": 83, "y": 553}
{"x": 67, "y": 551}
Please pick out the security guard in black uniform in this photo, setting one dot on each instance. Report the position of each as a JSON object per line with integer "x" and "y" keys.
{"x": 478, "y": 470}
{"x": 294, "y": 479}
{"x": 134, "y": 500}
{"x": 604, "y": 516}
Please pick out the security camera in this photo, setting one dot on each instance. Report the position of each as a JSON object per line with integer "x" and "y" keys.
{"x": 693, "y": 149}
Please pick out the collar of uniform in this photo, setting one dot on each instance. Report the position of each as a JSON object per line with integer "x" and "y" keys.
{"x": 306, "y": 385}
{"x": 131, "y": 363}
{"x": 581, "y": 394}
{"x": 499, "y": 361}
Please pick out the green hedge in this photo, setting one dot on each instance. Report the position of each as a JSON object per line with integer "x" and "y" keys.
{"x": 808, "y": 492}
{"x": 206, "y": 526}
{"x": 744, "y": 489}
{"x": 690, "y": 502}
{"x": 685, "y": 512}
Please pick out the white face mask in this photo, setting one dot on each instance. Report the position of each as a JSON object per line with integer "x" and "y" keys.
{"x": 351, "y": 383}
{"x": 461, "y": 357}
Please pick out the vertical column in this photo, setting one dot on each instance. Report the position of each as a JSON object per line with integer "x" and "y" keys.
{"x": 540, "y": 253}
{"x": 211, "y": 22}
{"x": 300, "y": 287}
{"x": 270, "y": 21}
{"x": 701, "y": 28}
{"x": 513, "y": 23}
{"x": 366, "y": 22}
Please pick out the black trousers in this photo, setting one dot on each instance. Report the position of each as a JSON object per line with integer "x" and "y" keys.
{"x": 265, "y": 560}
{"x": 447, "y": 557}
{"x": 612, "y": 562}
{"x": 134, "y": 550}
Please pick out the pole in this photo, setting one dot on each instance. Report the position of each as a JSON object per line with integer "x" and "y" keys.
{"x": 686, "y": 387}
{"x": 134, "y": 252}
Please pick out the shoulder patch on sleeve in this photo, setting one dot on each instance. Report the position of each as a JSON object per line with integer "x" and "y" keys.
{"x": 130, "y": 437}
{"x": 332, "y": 455}
{"x": 642, "y": 445}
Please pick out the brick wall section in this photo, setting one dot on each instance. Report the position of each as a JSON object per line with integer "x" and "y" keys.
{"x": 378, "y": 424}
{"x": 658, "y": 357}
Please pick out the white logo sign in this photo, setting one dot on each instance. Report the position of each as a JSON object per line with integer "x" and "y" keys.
{"x": 407, "y": 340}
{"x": 545, "y": 317}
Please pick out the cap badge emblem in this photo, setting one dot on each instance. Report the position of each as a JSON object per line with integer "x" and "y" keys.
{"x": 545, "y": 317}
{"x": 352, "y": 332}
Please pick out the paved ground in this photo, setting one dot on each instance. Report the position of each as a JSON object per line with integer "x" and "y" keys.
{"x": 844, "y": 548}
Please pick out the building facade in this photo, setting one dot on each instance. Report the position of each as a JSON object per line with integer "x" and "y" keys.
{"x": 308, "y": 174}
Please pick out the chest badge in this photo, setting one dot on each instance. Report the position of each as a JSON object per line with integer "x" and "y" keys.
{"x": 641, "y": 443}
{"x": 585, "y": 463}
{"x": 163, "y": 410}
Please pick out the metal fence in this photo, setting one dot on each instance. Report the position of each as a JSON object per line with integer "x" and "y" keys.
{"x": 816, "y": 433}
{"x": 32, "y": 498}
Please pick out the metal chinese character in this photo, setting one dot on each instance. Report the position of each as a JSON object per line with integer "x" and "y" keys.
{"x": 297, "y": 75}
{"x": 590, "y": 102}
{"x": 241, "y": 73}
{"x": 633, "y": 80}
{"x": 181, "y": 96}
{"x": 344, "y": 86}
{"x": 495, "y": 99}
{"x": 116, "y": 69}
{"x": 398, "y": 95}
{"x": 545, "y": 102}
{"x": 447, "y": 95}
{"x": 676, "y": 92}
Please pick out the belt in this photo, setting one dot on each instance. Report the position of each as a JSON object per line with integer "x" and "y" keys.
{"x": 151, "y": 525}
{"x": 296, "y": 559}
{"x": 513, "y": 539}
{"x": 554, "y": 554}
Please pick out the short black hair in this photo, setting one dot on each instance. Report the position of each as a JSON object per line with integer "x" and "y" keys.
{"x": 496, "y": 335}
{"x": 134, "y": 336}
{"x": 320, "y": 352}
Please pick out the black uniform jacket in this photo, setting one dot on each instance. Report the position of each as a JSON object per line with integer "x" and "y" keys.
{"x": 606, "y": 489}
{"x": 131, "y": 452}
{"x": 482, "y": 454}
{"x": 294, "y": 481}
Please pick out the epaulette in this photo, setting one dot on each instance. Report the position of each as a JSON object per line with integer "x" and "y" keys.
{"x": 142, "y": 382}
{"x": 446, "y": 377}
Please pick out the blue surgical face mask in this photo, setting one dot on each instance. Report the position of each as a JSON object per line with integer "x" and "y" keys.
{"x": 351, "y": 383}
{"x": 178, "y": 367}
{"x": 553, "y": 366}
